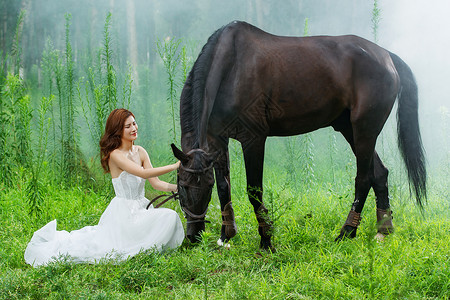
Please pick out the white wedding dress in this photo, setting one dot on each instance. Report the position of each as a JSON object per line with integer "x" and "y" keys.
{"x": 125, "y": 228}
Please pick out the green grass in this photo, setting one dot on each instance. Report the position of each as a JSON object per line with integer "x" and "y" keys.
{"x": 413, "y": 263}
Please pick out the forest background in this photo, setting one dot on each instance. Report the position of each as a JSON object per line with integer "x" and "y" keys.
{"x": 66, "y": 64}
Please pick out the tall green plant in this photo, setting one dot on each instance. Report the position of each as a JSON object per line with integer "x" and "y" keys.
{"x": 16, "y": 50}
{"x": 61, "y": 69}
{"x": 187, "y": 58}
{"x": 307, "y": 143}
{"x": 170, "y": 55}
{"x": 111, "y": 88}
{"x": 3, "y": 131}
{"x": 49, "y": 66}
{"x": 306, "y": 27}
{"x": 13, "y": 105}
{"x": 35, "y": 187}
{"x": 376, "y": 16}
{"x": 127, "y": 89}
{"x": 292, "y": 157}
{"x": 59, "y": 81}
{"x": 3, "y": 67}
{"x": 308, "y": 159}
{"x": 69, "y": 82}
{"x": 17, "y": 117}
{"x": 67, "y": 109}
{"x": 333, "y": 153}
{"x": 100, "y": 95}
{"x": 6, "y": 140}
{"x": 23, "y": 130}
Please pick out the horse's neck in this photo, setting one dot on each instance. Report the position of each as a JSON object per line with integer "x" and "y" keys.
{"x": 189, "y": 141}
{"x": 194, "y": 131}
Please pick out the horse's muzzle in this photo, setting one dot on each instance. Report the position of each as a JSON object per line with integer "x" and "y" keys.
{"x": 194, "y": 230}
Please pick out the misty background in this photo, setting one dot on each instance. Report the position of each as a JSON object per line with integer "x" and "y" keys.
{"x": 418, "y": 31}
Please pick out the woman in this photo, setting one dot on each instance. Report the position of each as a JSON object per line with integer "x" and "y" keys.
{"x": 126, "y": 226}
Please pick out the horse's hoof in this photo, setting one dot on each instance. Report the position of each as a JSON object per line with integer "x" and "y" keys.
{"x": 222, "y": 244}
{"x": 270, "y": 249}
{"x": 229, "y": 227}
{"x": 267, "y": 246}
{"x": 384, "y": 221}
{"x": 379, "y": 237}
{"x": 346, "y": 232}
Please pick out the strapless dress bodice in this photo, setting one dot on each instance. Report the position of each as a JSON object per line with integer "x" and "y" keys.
{"x": 129, "y": 186}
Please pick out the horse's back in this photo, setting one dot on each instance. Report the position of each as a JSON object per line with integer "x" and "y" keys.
{"x": 291, "y": 85}
{"x": 253, "y": 45}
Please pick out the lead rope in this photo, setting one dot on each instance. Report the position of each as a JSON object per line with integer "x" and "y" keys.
{"x": 173, "y": 196}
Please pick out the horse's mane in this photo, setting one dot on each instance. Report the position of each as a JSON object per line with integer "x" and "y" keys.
{"x": 191, "y": 102}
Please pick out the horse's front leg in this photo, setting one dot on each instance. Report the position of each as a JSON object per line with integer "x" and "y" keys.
{"x": 222, "y": 172}
{"x": 254, "y": 161}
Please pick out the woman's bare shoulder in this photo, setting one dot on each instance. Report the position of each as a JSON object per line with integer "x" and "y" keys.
{"x": 141, "y": 149}
{"x": 115, "y": 153}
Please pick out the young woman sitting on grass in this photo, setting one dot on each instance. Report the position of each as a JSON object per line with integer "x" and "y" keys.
{"x": 126, "y": 227}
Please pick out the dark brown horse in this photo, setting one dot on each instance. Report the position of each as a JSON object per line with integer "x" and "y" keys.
{"x": 247, "y": 85}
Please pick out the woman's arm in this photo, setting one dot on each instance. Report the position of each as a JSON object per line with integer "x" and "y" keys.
{"x": 156, "y": 183}
{"x": 122, "y": 162}
{"x": 162, "y": 186}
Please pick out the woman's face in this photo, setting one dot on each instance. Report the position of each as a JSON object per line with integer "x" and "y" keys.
{"x": 130, "y": 129}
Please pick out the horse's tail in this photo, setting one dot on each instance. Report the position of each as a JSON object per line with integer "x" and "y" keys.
{"x": 409, "y": 139}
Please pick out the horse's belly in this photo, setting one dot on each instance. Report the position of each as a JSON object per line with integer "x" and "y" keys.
{"x": 298, "y": 119}
{"x": 294, "y": 127}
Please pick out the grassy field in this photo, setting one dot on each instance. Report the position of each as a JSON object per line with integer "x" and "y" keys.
{"x": 412, "y": 263}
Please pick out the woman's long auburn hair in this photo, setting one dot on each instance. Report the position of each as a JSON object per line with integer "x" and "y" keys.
{"x": 112, "y": 138}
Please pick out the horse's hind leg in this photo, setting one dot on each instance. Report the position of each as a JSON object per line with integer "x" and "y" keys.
{"x": 363, "y": 146}
{"x": 364, "y": 149}
{"x": 377, "y": 175}
{"x": 380, "y": 187}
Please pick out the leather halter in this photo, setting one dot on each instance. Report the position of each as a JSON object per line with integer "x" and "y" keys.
{"x": 201, "y": 171}
{"x": 195, "y": 217}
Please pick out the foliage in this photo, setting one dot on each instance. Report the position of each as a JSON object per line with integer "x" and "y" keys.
{"x": 306, "y": 28}
{"x": 100, "y": 95}
{"x": 308, "y": 159}
{"x": 292, "y": 158}
{"x": 35, "y": 188}
{"x": 15, "y": 116}
{"x": 107, "y": 55}
{"x": 376, "y": 16}
{"x": 170, "y": 55}
{"x": 16, "y": 50}
{"x": 413, "y": 263}
{"x": 69, "y": 138}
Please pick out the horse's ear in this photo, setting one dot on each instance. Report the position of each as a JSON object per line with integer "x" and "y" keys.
{"x": 179, "y": 154}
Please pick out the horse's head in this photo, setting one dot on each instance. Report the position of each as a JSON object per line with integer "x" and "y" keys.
{"x": 195, "y": 182}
